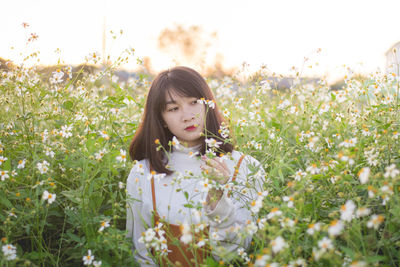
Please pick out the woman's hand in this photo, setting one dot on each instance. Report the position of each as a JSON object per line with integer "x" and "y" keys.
{"x": 218, "y": 171}
{"x": 216, "y": 168}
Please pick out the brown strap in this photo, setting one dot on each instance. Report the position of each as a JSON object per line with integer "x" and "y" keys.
{"x": 236, "y": 171}
{"x": 237, "y": 168}
{"x": 153, "y": 192}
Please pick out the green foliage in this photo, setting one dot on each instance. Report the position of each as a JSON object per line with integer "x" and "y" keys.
{"x": 70, "y": 138}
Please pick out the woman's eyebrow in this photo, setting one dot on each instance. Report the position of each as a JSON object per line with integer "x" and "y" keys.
{"x": 170, "y": 102}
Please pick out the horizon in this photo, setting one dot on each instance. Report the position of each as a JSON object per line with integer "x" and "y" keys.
{"x": 277, "y": 34}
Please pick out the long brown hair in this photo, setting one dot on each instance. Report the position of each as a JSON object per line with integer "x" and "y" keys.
{"x": 185, "y": 82}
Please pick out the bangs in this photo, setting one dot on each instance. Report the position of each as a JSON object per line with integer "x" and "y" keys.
{"x": 178, "y": 89}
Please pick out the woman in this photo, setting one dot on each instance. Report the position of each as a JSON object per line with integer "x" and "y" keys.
{"x": 185, "y": 177}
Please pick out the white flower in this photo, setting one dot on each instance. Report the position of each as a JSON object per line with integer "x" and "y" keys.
{"x": 104, "y": 135}
{"x": 256, "y": 204}
{"x": 205, "y": 185}
{"x": 103, "y": 225}
{"x": 99, "y": 155}
{"x": 96, "y": 263}
{"x": 154, "y": 238}
{"x": 261, "y": 261}
{"x": 21, "y": 164}
{"x": 278, "y": 244}
{"x": 348, "y": 143}
{"x": 9, "y": 251}
{"x": 299, "y": 174}
{"x": 57, "y": 77}
{"x": 274, "y": 212}
{"x": 242, "y": 253}
{"x": 363, "y": 175}
{"x": 196, "y": 218}
{"x": 226, "y": 113}
{"x": 372, "y": 158}
{"x": 347, "y": 211}
{"x": 2, "y": 159}
{"x": 358, "y": 264}
{"x": 251, "y": 228}
{"x": 4, "y": 175}
{"x": 88, "y": 259}
{"x": 287, "y": 222}
{"x": 298, "y": 262}
{"x": 43, "y": 167}
{"x": 363, "y": 211}
{"x": 122, "y": 156}
{"x": 121, "y": 185}
{"x": 138, "y": 167}
{"x": 312, "y": 142}
{"x": 128, "y": 102}
{"x": 148, "y": 236}
{"x": 325, "y": 244}
{"x": 192, "y": 154}
{"x": 49, "y": 152}
{"x": 391, "y": 171}
{"x": 66, "y": 131}
{"x": 156, "y": 176}
{"x": 261, "y": 223}
{"x": 293, "y": 110}
{"x": 312, "y": 228}
{"x": 313, "y": 169}
{"x": 289, "y": 201}
{"x": 210, "y": 103}
{"x": 175, "y": 142}
{"x": 186, "y": 237}
{"x": 214, "y": 235}
{"x": 375, "y": 221}
{"x": 283, "y": 104}
{"x": 93, "y": 57}
{"x": 324, "y": 108}
{"x": 49, "y": 197}
{"x": 335, "y": 228}
{"x": 211, "y": 142}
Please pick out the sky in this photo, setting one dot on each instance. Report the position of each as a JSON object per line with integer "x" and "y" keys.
{"x": 275, "y": 33}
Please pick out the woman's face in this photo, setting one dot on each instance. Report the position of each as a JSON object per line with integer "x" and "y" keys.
{"x": 184, "y": 117}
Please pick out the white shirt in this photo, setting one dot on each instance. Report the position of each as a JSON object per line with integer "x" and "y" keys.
{"x": 229, "y": 215}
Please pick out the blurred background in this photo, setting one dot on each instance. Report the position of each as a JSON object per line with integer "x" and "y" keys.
{"x": 318, "y": 38}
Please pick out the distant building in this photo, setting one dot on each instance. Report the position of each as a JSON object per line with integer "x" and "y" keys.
{"x": 393, "y": 58}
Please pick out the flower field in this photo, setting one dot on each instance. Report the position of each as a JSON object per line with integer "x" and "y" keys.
{"x": 331, "y": 161}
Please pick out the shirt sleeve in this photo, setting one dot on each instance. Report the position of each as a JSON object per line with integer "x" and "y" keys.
{"x": 231, "y": 214}
{"x": 135, "y": 221}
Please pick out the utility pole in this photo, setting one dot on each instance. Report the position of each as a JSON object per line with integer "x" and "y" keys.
{"x": 104, "y": 42}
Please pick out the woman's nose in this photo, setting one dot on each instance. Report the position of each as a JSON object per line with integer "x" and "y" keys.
{"x": 188, "y": 116}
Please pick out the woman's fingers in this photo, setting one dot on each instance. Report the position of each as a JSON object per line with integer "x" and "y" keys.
{"x": 216, "y": 167}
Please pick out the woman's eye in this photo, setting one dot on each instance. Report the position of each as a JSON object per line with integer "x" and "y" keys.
{"x": 194, "y": 101}
{"x": 173, "y": 109}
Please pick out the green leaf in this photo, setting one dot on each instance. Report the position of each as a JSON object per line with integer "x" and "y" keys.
{"x": 68, "y": 105}
{"x": 348, "y": 251}
{"x": 5, "y": 202}
{"x": 376, "y": 258}
{"x": 73, "y": 196}
{"x": 7, "y": 165}
{"x": 33, "y": 255}
{"x": 74, "y": 237}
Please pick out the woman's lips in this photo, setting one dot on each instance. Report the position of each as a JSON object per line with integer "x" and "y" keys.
{"x": 190, "y": 128}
